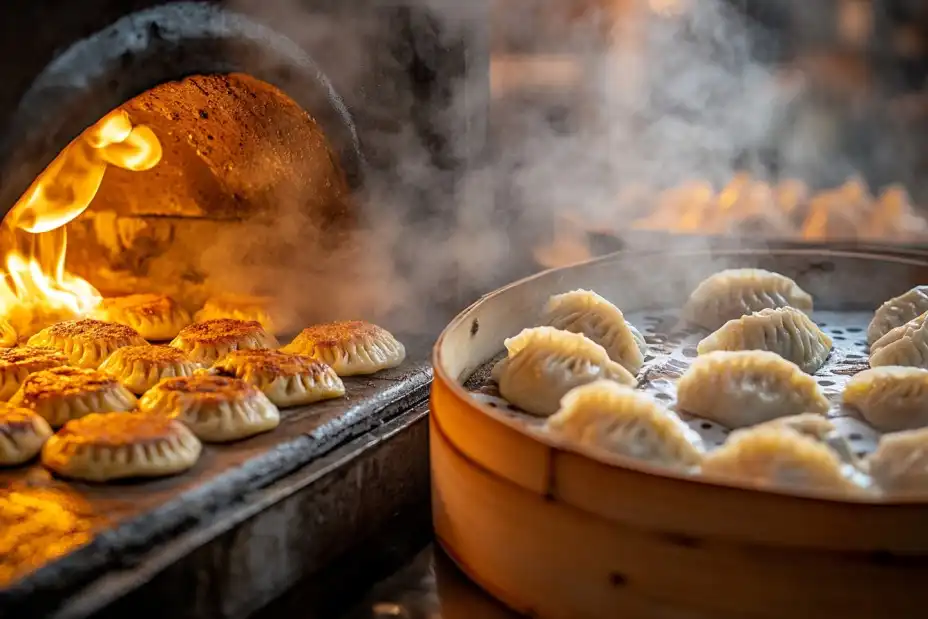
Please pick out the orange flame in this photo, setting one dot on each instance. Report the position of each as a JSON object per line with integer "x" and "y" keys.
{"x": 37, "y": 289}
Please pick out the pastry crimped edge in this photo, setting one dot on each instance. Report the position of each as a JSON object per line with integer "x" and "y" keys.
{"x": 335, "y": 344}
{"x": 211, "y": 418}
{"x": 248, "y": 308}
{"x": 158, "y": 327}
{"x": 8, "y": 335}
{"x": 140, "y": 375}
{"x": 174, "y": 450}
{"x": 13, "y": 373}
{"x": 317, "y": 382}
{"x": 23, "y": 432}
{"x": 207, "y": 350}
{"x": 58, "y": 408}
{"x": 87, "y": 350}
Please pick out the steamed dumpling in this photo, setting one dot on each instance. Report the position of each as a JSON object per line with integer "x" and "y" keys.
{"x": 584, "y": 311}
{"x": 732, "y": 293}
{"x": 818, "y": 428}
{"x": 784, "y": 330}
{"x": 906, "y": 345}
{"x": 890, "y": 397}
{"x": 615, "y": 418}
{"x": 898, "y": 311}
{"x": 900, "y": 463}
{"x": 544, "y": 363}
{"x": 744, "y": 388}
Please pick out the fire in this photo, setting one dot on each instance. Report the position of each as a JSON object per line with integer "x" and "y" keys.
{"x": 37, "y": 288}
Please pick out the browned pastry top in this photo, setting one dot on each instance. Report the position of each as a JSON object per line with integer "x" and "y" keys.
{"x": 39, "y": 357}
{"x": 65, "y": 381}
{"x": 118, "y": 429}
{"x": 220, "y": 330}
{"x": 146, "y": 304}
{"x": 13, "y": 418}
{"x": 208, "y": 386}
{"x": 166, "y": 355}
{"x": 335, "y": 334}
{"x": 87, "y": 329}
{"x": 272, "y": 362}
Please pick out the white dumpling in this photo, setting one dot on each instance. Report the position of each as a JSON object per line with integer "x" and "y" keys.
{"x": 732, "y": 293}
{"x": 782, "y": 457}
{"x": 906, "y": 345}
{"x": 900, "y": 463}
{"x": 898, "y": 311}
{"x": 584, "y": 311}
{"x": 818, "y": 428}
{"x": 616, "y": 418}
{"x": 890, "y": 397}
{"x": 544, "y": 363}
{"x": 744, "y": 388}
{"x": 784, "y": 330}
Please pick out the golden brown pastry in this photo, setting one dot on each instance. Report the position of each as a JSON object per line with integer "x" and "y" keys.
{"x": 218, "y": 409}
{"x": 154, "y": 316}
{"x": 18, "y": 363}
{"x": 106, "y": 446}
{"x": 265, "y": 310}
{"x": 65, "y": 393}
{"x": 8, "y": 335}
{"x": 205, "y": 342}
{"x": 350, "y": 347}
{"x": 140, "y": 368}
{"x": 87, "y": 342}
{"x": 286, "y": 379}
{"x": 22, "y": 434}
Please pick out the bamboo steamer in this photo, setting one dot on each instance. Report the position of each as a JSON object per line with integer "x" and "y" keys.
{"x": 560, "y": 534}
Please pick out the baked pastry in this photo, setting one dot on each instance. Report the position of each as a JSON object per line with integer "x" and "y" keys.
{"x": 140, "y": 368}
{"x": 205, "y": 342}
{"x": 544, "y": 363}
{"x": 905, "y": 345}
{"x": 87, "y": 342}
{"x": 616, "y": 418}
{"x": 286, "y": 379}
{"x": 154, "y": 316}
{"x": 22, "y": 434}
{"x": 106, "y": 446}
{"x": 18, "y": 363}
{"x": 732, "y": 293}
{"x": 65, "y": 393}
{"x": 899, "y": 465}
{"x": 218, "y": 409}
{"x": 8, "y": 335}
{"x": 784, "y": 330}
{"x": 897, "y": 311}
{"x": 890, "y": 397}
{"x": 584, "y": 311}
{"x": 350, "y": 347}
{"x": 782, "y": 457}
{"x": 744, "y": 388}
{"x": 265, "y": 310}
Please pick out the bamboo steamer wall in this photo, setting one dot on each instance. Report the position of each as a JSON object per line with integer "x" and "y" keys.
{"x": 559, "y": 534}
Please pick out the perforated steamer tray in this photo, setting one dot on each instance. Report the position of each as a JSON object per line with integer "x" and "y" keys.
{"x": 559, "y": 532}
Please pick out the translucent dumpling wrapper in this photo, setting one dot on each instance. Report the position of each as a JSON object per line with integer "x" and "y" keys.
{"x": 744, "y": 388}
{"x": 890, "y": 397}
{"x": 544, "y": 363}
{"x": 906, "y": 345}
{"x": 615, "y": 418}
{"x": 897, "y": 311}
{"x": 780, "y": 457}
{"x": 899, "y": 465}
{"x": 585, "y": 312}
{"x": 784, "y": 330}
{"x": 730, "y": 294}
{"x": 818, "y": 428}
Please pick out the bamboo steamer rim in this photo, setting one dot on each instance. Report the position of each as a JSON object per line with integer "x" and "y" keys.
{"x": 445, "y": 384}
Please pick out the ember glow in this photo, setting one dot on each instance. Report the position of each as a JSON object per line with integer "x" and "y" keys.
{"x": 37, "y": 290}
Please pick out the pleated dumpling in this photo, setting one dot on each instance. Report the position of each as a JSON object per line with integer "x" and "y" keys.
{"x": 732, "y": 293}
{"x": 544, "y": 363}
{"x": 153, "y": 316}
{"x": 615, "y": 418}
{"x": 584, "y": 311}
{"x": 87, "y": 342}
{"x": 899, "y": 465}
{"x": 22, "y": 434}
{"x": 781, "y": 457}
{"x": 286, "y": 379}
{"x": 818, "y": 428}
{"x": 905, "y": 345}
{"x": 8, "y": 335}
{"x": 890, "y": 397}
{"x": 140, "y": 368}
{"x": 898, "y": 311}
{"x": 350, "y": 347}
{"x": 783, "y": 330}
{"x": 744, "y": 388}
